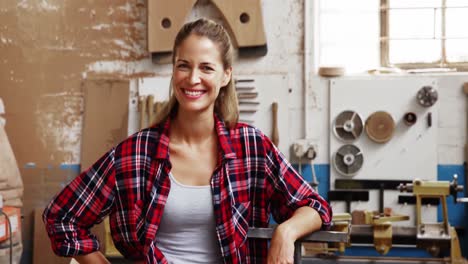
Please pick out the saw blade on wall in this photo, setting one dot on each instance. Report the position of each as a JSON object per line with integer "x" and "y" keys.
{"x": 348, "y": 160}
{"x": 348, "y": 126}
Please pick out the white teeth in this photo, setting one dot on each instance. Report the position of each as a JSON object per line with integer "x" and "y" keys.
{"x": 192, "y": 93}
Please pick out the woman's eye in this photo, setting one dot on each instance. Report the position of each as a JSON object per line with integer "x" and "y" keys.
{"x": 182, "y": 66}
{"x": 207, "y": 68}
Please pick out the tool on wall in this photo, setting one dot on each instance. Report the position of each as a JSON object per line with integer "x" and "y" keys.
{"x": 427, "y": 96}
{"x": 348, "y": 126}
{"x": 410, "y": 118}
{"x": 275, "y": 132}
{"x": 150, "y": 109}
{"x": 429, "y": 119}
{"x": 348, "y": 160}
{"x": 157, "y": 107}
{"x": 380, "y": 127}
{"x": 247, "y": 97}
{"x": 243, "y": 19}
{"x": 142, "y": 106}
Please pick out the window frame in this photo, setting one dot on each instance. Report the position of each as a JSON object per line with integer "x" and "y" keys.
{"x": 385, "y": 48}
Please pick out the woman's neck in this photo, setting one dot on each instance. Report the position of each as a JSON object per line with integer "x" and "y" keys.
{"x": 192, "y": 128}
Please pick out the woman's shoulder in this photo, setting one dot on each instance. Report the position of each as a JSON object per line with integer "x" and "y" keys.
{"x": 150, "y": 133}
{"x": 244, "y": 131}
{"x": 143, "y": 138}
{"x": 244, "y": 128}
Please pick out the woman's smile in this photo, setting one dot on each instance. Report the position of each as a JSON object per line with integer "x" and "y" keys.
{"x": 192, "y": 93}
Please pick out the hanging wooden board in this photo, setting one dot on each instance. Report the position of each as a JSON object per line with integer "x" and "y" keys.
{"x": 243, "y": 18}
{"x": 165, "y": 18}
{"x": 105, "y": 121}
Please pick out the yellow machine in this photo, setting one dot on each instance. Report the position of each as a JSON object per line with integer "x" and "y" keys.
{"x": 436, "y": 236}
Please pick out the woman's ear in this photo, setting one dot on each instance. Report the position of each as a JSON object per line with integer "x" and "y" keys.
{"x": 226, "y": 76}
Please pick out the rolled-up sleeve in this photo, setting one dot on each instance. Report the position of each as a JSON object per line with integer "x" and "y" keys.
{"x": 83, "y": 203}
{"x": 291, "y": 191}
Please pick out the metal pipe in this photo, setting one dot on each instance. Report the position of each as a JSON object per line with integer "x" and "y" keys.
{"x": 297, "y": 252}
{"x": 318, "y": 236}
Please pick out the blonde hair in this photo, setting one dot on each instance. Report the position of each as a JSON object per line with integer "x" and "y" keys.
{"x": 226, "y": 105}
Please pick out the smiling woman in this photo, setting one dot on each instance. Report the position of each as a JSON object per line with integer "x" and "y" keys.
{"x": 198, "y": 75}
{"x": 187, "y": 189}
{"x": 213, "y": 44}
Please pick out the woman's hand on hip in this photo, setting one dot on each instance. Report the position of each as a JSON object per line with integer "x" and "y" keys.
{"x": 95, "y": 257}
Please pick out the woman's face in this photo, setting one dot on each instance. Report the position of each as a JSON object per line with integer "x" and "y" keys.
{"x": 198, "y": 74}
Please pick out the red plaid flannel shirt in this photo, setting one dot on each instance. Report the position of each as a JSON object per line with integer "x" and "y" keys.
{"x": 130, "y": 183}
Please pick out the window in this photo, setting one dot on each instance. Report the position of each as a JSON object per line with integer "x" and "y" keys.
{"x": 424, "y": 33}
{"x": 365, "y": 34}
{"x": 348, "y": 34}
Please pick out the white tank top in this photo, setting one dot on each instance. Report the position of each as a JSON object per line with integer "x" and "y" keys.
{"x": 187, "y": 232}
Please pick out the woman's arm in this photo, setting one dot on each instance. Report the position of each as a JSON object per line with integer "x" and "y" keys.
{"x": 298, "y": 208}
{"x": 92, "y": 258}
{"x": 81, "y": 204}
{"x": 304, "y": 221}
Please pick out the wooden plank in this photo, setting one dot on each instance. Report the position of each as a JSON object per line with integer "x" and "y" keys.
{"x": 105, "y": 118}
{"x": 244, "y": 18}
{"x": 163, "y": 13}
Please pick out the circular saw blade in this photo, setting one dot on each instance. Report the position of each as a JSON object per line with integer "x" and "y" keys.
{"x": 427, "y": 96}
{"x": 380, "y": 127}
{"x": 348, "y": 160}
{"x": 348, "y": 126}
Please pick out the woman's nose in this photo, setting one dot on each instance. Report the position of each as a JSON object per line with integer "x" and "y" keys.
{"x": 194, "y": 76}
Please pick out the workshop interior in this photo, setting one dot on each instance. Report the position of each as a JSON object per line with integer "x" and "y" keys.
{"x": 367, "y": 100}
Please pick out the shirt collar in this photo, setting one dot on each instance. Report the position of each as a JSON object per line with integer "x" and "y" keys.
{"x": 225, "y": 144}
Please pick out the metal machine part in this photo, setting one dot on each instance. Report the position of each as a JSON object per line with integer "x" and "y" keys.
{"x": 383, "y": 230}
{"x": 435, "y": 236}
{"x": 410, "y": 118}
{"x": 381, "y": 185}
{"x": 409, "y": 199}
{"x": 437, "y": 188}
{"x": 348, "y": 196}
{"x": 341, "y": 222}
{"x": 348, "y": 160}
{"x": 427, "y": 96}
{"x": 348, "y": 126}
{"x": 380, "y": 127}
{"x": 318, "y": 236}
